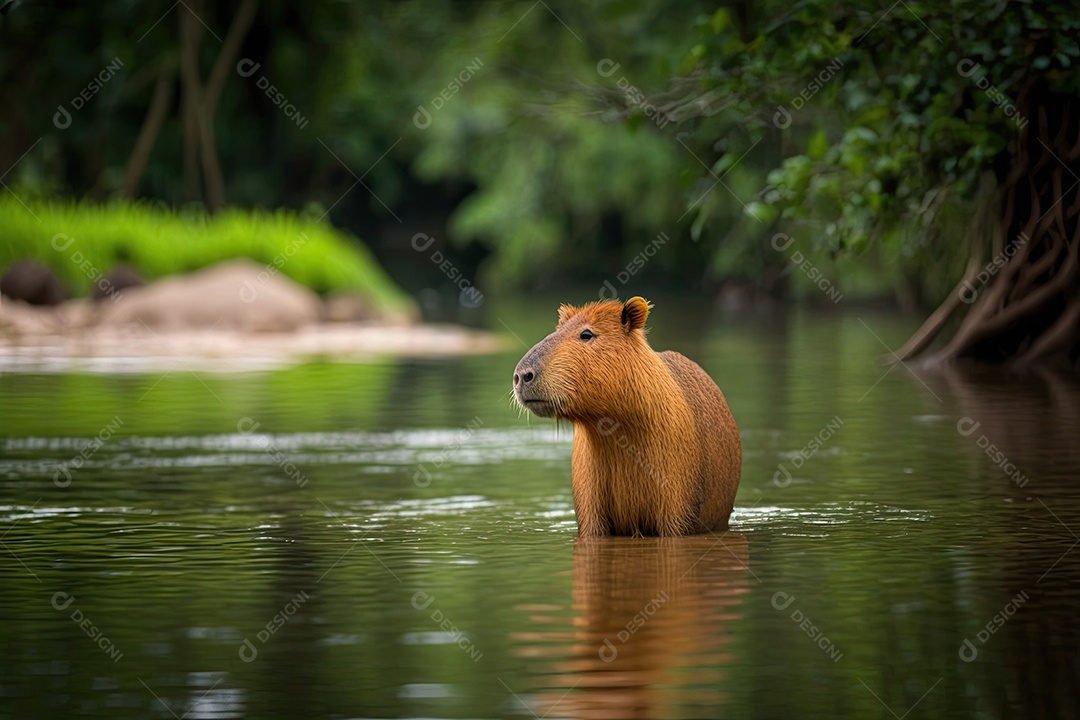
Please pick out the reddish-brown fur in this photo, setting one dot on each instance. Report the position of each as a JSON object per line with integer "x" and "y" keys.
{"x": 656, "y": 449}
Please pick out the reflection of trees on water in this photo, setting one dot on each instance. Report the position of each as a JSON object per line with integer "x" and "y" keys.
{"x": 1022, "y": 646}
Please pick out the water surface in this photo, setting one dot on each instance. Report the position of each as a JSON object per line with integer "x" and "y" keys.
{"x": 393, "y": 540}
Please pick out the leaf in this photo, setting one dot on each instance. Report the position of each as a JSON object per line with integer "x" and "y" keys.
{"x": 818, "y": 146}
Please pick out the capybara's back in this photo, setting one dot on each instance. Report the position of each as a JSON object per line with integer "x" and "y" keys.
{"x": 656, "y": 449}
{"x": 720, "y": 452}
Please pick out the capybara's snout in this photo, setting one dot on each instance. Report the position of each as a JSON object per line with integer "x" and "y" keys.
{"x": 528, "y": 389}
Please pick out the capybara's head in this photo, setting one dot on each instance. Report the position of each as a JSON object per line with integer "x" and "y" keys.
{"x": 587, "y": 368}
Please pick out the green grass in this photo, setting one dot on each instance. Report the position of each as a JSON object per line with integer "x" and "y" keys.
{"x": 160, "y": 241}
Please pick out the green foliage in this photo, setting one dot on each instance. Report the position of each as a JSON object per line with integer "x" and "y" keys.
{"x": 69, "y": 237}
{"x": 536, "y": 138}
{"x": 547, "y": 166}
{"x": 890, "y": 134}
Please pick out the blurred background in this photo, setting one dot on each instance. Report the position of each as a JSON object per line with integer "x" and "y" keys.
{"x": 539, "y": 148}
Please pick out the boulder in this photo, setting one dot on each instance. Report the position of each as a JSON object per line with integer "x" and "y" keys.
{"x": 120, "y": 278}
{"x": 349, "y": 307}
{"x": 232, "y": 295}
{"x": 33, "y": 283}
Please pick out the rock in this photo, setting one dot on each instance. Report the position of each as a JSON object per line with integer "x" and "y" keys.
{"x": 120, "y": 278}
{"x": 233, "y": 295}
{"x": 33, "y": 283}
{"x": 347, "y": 307}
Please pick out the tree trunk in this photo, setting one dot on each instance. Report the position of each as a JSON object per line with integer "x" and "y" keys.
{"x": 148, "y": 133}
{"x": 190, "y": 102}
{"x": 200, "y": 103}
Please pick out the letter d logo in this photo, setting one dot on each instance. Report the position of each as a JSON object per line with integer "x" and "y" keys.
{"x": 606, "y": 425}
{"x": 608, "y": 652}
{"x": 965, "y": 426}
{"x": 782, "y": 118}
{"x": 62, "y": 241}
{"x": 62, "y": 477}
{"x": 608, "y": 288}
{"x": 782, "y": 241}
{"x": 781, "y": 600}
{"x": 968, "y": 293}
{"x": 782, "y": 477}
{"x": 607, "y": 67}
{"x": 422, "y": 118}
{"x": 247, "y": 652}
{"x": 247, "y": 68}
{"x": 421, "y": 478}
{"x": 422, "y": 241}
{"x": 62, "y": 118}
{"x": 248, "y": 293}
{"x": 61, "y": 600}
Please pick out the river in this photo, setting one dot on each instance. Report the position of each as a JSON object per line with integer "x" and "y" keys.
{"x": 392, "y": 539}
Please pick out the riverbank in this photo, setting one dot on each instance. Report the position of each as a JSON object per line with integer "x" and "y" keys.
{"x": 130, "y": 350}
{"x": 234, "y": 316}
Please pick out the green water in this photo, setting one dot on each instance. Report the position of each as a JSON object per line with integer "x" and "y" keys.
{"x": 393, "y": 540}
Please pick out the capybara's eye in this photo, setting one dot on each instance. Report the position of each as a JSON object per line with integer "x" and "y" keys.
{"x": 586, "y": 335}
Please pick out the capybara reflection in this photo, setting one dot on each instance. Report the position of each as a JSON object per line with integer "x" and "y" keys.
{"x": 656, "y": 449}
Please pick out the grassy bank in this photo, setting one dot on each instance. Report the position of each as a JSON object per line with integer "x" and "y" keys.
{"x": 81, "y": 241}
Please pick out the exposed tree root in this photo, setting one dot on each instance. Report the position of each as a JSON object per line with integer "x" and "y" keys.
{"x": 1029, "y": 309}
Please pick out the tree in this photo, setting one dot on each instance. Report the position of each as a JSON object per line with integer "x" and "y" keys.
{"x": 947, "y": 132}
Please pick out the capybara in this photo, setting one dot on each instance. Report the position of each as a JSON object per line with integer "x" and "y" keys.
{"x": 656, "y": 449}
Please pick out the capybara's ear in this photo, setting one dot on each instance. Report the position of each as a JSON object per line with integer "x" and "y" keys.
{"x": 635, "y": 312}
{"x": 566, "y": 312}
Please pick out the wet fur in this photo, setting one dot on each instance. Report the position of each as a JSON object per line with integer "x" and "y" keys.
{"x": 656, "y": 450}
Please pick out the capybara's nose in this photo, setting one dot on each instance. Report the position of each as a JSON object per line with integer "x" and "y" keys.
{"x": 525, "y": 372}
{"x": 524, "y": 376}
